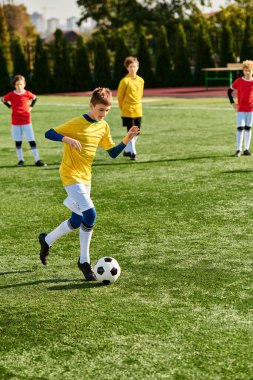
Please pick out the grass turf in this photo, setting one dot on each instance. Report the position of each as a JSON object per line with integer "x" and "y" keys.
{"x": 179, "y": 223}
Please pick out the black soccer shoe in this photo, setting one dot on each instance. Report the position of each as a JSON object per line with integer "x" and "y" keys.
{"x": 44, "y": 249}
{"x": 126, "y": 154}
{"x": 40, "y": 163}
{"x": 20, "y": 163}
{"x": 87, "y": 271}
{"x": 133, "y": 157}
{"x": 246, "y": 153}
{"x": 238, "y": 153}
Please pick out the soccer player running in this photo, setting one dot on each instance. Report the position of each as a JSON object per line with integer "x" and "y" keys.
{"x": 130, "y": 92}
{"x": 81, "y": 137}
{"x": 244, "y": 107}
{"x": 21, "y": 102}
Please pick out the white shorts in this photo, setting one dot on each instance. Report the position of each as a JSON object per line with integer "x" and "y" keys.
{"x": 19, "y": 130}
{"x": 244, "y": 119}
{"x": 78, "y": 199}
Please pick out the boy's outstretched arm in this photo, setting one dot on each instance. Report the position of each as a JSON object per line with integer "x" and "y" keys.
{"x": 51, "y": 134}
{"x": 116, "y": 150}
{"x": 6, "y": 103}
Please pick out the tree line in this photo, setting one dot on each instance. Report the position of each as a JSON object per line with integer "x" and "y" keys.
{"x": 172, "y": 47}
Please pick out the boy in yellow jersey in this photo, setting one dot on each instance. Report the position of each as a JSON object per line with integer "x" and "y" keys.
{"x": 81, "y": 137}
{"x": 130, "y": 92}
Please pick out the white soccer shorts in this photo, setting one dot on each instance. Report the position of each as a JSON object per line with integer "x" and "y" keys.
{"x": 19, "y": 130}
{"x": 78, "y": 199}
{"x": 244, "y": 119}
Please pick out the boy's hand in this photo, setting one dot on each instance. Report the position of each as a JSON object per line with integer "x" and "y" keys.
{"x": 133, "y": 131}
{"x": 72, "y": 142}
{"x": 234, "y": 105}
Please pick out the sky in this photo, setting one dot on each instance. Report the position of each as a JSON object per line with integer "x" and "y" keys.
{"x": 61, "y": 9}
{"x": 216, "y": 4}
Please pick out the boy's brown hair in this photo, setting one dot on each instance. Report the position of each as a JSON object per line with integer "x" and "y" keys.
{"x": 101, "y": 95}
{"x": 17, "y": 78}
{"x": 130, "y": 60}
{"x": 248, "y": 64}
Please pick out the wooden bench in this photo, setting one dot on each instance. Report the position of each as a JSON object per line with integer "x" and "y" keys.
{"x": 227, "y": 71}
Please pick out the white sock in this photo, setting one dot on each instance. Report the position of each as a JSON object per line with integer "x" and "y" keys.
{"x": 85, "y": 238}
{"x": 247, "y": 138}
{"x": 239, "y": 139}
{"x": 63, "y": 229}
{"x": 128, "y": 148}
{"x": 35, "y": 153}
{"x": 20, "y": 154}
{"x": 131, "y": 145}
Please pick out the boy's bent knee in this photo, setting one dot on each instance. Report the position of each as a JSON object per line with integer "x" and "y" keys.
{"x": 89, "y": 216}
{"x": 75, "y": 220}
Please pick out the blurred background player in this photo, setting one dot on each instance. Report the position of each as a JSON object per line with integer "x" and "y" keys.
{"x": 81, "y": 137}
{"x": 21, "y": 102}
{"x": 130, "y": 93}
{"x": 244, "y": 107}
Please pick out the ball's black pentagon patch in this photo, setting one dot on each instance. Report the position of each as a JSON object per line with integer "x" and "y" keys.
{"x": 106, "y": 282}
{"x": 108, "y": 259}
{"x": 114, "y": 271}
{"x": 100, "y": 270}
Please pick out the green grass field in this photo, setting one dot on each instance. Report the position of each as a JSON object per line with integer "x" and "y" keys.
{"x": 179, "y": 221}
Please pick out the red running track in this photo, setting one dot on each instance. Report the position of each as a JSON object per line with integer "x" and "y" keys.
{"x": 175, "y": 92}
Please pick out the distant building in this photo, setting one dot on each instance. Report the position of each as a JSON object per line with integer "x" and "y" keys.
{"x": 52, "y": 25}
{"x": 47, "y": 27}
{"x": 88, "y": 25}
{"x": 39, "y": 22}
{"x": 72, "y": 23}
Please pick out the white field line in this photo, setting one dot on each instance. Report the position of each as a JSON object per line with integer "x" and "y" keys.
{"x": 197, "y": 108}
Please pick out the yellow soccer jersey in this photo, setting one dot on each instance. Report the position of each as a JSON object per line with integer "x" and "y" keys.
{"x": 130, "y": 92}
{"x": 76, "y": 166}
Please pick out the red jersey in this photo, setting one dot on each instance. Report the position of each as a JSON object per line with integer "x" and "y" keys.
{"x": 244, "y": 89}
{"x": 20, "y": 104}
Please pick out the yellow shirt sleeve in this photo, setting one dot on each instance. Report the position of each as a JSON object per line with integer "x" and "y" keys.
{"x": 121, "y": 91}
{"x": 106, "y": 141}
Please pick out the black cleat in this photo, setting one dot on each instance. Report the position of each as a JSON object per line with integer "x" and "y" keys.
{"x": 133, "y": 157}
{"x": 246, "y": 153}
{"x": 44, "y": 250}
{"x": 40, "y": 163}
{"x": 238, "y": 153}
{"x": 20, "y": 163}
{"x": 87, "y": 271}
{"x": 126, "y": 154}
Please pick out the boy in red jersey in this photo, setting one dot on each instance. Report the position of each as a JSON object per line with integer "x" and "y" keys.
{"x": 21, "y": 102}
{"x": 244, "y": 107}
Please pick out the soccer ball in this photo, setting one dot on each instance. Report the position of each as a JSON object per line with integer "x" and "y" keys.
{"x": 107, "y": 270}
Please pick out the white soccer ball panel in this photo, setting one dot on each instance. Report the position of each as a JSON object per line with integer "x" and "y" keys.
{"x": 107, "y": 270}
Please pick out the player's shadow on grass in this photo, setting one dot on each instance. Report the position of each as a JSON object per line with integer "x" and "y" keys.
{"x": 15, "y": 272}
{"x": 156, "y": 161}
{"x": 238, "y": 171}
{"x": 79, "y": 284}
{"x": 56, "y": 166}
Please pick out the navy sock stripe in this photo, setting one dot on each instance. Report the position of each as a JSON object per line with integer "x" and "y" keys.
{"x": 86, "y": 228}
{"x": 70, "y": 225}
